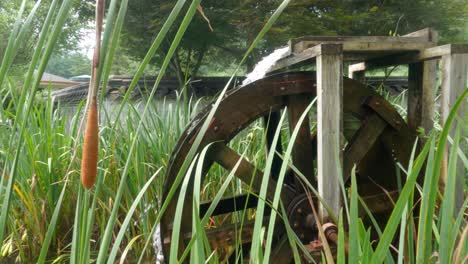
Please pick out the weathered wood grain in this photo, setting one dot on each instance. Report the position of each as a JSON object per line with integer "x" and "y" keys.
{"x": 329, "y": 124}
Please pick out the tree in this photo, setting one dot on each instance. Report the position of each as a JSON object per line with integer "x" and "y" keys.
{"x": 69, "y": 64}
{"x": 236, "y": 23}
{"x": 80, "y": 15}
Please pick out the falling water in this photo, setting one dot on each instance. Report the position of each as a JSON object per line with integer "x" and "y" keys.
{"x": 265, "y": 64}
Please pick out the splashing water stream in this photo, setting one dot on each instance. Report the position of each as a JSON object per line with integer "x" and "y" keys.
{"x": 262, "y": 67}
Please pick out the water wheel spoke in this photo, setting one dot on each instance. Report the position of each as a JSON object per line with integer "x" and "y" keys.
{"x": 224, "y": 236}
{"x": 362, "y": 142}
{"x": 271, "y": 123}
{"x": 230, "y": 204}
{"x": 303, "y": 149}
{"x": 247, "y": 172}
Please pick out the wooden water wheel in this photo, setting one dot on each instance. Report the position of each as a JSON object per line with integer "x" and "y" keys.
{"x": 380, "y": 139}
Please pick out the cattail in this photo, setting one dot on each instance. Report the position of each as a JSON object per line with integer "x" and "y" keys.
{"x": 89, "y": 159}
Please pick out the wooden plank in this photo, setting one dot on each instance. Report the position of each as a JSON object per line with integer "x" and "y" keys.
{"x": 454, "y": 77}
{"x": 330, "y": 124}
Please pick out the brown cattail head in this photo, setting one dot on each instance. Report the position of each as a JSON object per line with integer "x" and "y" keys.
{"x": 89, "y": 159}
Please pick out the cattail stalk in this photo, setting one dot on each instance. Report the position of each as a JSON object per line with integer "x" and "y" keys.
{"x": 90, "y": 147}
{"x": 89, "y": 160}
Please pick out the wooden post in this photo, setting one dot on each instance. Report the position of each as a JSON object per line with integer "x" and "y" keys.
{"x": 429, "y": 87}
{"x": 415, "y": 91}
{"x": 330, "y": 120}
{"x": 454, "y": 76}
{"x": 422, "y": 82}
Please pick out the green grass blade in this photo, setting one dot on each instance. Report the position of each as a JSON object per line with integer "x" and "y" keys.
{"x": 291, "y": 235}
{"x": 178, "y": 216}
{"x": 393, "y": 222}
{"x": 106, "y": 38}
{"x": 430, "y": 188}
{"x": 258, "y": 225}
{"x": 51, "y": 228}
{"x": 198, "y": 253}
{"x": 113, "y": 44}
{"x": 354, "y": 241}
{"x": 279, "y": 184}
{"x": 128, "y": 218}
{"x": 341, "y": 256}
{"x": 76, "y": 228}
{"x": 214, "y": 203}
{"x": 448, "y": 205}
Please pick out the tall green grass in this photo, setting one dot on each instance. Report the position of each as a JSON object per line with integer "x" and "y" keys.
{"x": 46, "y": 216}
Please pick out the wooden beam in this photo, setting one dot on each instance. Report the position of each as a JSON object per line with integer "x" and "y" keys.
{"x": 433, "y": 53}
{"x": 368, "y": 46}
{"x": 454, "y": 77}
{"x": 330, "y": 123}
{"x": 353, "y": 42}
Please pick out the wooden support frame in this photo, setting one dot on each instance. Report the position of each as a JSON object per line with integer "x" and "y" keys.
{"x": 416, "y": 49}
{"x": 454, "y": 82}
{"x": 329, "y": 125}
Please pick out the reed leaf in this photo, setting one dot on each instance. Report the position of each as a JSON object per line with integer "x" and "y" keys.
{"x": 128, "y": 218}
{"x": 424, "y": 248}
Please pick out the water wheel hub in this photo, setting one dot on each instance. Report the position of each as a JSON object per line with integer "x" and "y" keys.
{"x": 301, "y": 218}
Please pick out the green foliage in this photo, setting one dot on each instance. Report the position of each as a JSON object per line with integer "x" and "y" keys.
{"x": 70, "y": 35}
{"x": 235, "y": 24}
{"x": 69, "y": 64}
